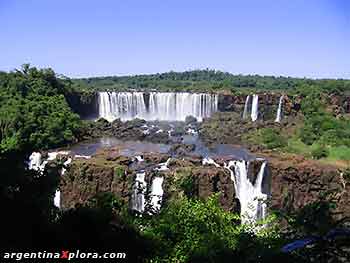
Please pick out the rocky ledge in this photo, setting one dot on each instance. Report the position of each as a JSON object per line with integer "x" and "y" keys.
{"x": 293, "y": 182}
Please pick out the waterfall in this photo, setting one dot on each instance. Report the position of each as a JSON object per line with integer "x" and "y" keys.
{"x": 57, "y": 199}
{"x": 123, "y": 105}
{"x": 163, "y": 166}
{"x": 246, "y": 105}
{"x": 69, "y": 160}
{"x": 139, "y": 158}
{"x": 156, "y": 194}
{"x": 279, "y": 110}
{"x": 250, "y": 195}
{"x": 138, "y": 195}
{"x": 209, "y": 161}
{"x": 35, "y": 162}
{"x": 255, "y": 104}
{"x": 168, "y": 106}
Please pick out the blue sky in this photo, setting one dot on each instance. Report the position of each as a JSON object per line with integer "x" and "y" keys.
{"x": 81, "y": 38}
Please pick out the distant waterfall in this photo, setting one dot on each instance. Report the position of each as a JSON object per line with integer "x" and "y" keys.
{"x": 246, "y": 105}
{"x": 156, "y": 194}
{"x": 124, "y": 105}
{"x": 255, "y": 110}
{"x": 138, "y": 194}
{"x": 251, "y": 198}
{"x": 279, "y": 110}
{"x": 169, "y": 106}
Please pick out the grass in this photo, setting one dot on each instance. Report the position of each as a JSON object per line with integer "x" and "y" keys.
{"x": 339, "y": 153}
{"x": 296, "y": 146}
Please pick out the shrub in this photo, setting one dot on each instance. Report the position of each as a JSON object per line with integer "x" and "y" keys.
{"x": 307, "y": 135}
{"x": 201, "y": 231}
{"x": 272, "y": 138}
{"x": 320, "y": 152}
{"x": 187, "y": 185}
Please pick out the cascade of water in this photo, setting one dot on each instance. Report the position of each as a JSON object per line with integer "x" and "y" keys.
{"x": 138, "y": 195}
{"x": 250, "y": 195}
{"x": 169, "y": 106}
{"x": 208, "y": 160}
{"x": 35, "y": 161}
{"x": 255, "y": 105}
{"x": 57, "y": 199}
{"x": 123, "y": 105}
{"x": 82, "y": 156}
{"x": 279, "y": 110}
{"x": 246, "y": 106}
{"x": 156, "y": 194}
{"x": 163, "y": 166}
{"x": 139, "y": 158}
{"x": 69, "y": 160}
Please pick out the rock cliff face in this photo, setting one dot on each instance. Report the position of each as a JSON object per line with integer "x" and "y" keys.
{"x": 294, "y": 182}
{"x": 107, "y": 173}
{"x": 87, "y": 177}
{"x": 268, "y": 103}
{"x": 297, "y": 182}
{"x": 84, "y": 104}
{"x": 340, "y": 104}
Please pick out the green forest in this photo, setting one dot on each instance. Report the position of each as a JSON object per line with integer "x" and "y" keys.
{"x": 35, "y": 115}
{"x": 207, "y": 80}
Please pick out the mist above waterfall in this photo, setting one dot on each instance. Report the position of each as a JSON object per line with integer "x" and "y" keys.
{"x": 168, "y": 106}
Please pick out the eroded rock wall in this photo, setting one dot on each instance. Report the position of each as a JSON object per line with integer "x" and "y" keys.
{"x": 293, "y": 182}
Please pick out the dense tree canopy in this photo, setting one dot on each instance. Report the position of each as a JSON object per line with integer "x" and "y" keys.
{"x": 205, "y": 80}
{"x": 34, "y": 113}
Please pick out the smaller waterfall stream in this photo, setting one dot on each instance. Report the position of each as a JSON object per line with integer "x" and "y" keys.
{"x": 246, "y": 107}
{"x": 138, "y": 195}
{"x": 208, "y": 160}
{"x": 251, "y": 198}
{"x": 57, "y": 199}
{"x": 36, "y": 163}
{"x": 255, "y": 105}
{"x": 156, "y": 195}
{"x": 279, "y": 110}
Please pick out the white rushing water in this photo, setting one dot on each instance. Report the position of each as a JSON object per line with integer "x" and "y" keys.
{"x": 139, "y": 158}
{"x": 251, "y": 197}
{"x": 57, "y": 199}
{"x": 255, "y": 105}
{"x": 65, "y": 164}
{"x": 156, "y": 194}
{"x": 279, "y": 110}
{"x": 163, "y": 166}
{"x": 124, "y": 105}
{"x": 168, "y": 106}
{"x": 246, "y": 107}
{"x": 138, "y": 194}
{"x": 208, "y": 160}
{"x": 36, "y": 163}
